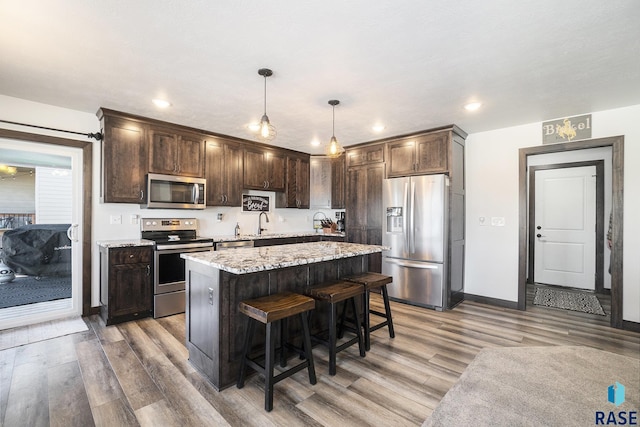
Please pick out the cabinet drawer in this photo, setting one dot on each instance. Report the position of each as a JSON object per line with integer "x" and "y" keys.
{"x": 131, "y": 255}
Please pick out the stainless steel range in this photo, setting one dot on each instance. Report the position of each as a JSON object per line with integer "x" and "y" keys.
{"x": 172, "y": 236}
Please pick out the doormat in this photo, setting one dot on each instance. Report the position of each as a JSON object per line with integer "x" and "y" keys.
{"x": 584, "y": 302}
{"x": 31, "y": 289}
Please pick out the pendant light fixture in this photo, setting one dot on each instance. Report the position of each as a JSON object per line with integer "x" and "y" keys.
{"x": 334, "y": 149}
{"x": 266, "y": 130}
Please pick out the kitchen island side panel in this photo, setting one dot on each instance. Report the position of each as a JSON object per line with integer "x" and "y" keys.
{"x": 225, "y": 326}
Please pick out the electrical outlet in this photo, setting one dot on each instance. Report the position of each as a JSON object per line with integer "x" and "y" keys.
{"x": 133, "y": 219}
{"x": 497, "y": 221}
{"x": 115, "y": 219}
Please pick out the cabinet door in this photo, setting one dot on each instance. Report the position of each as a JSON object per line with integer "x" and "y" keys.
{"x": 432, "y": 153}
{"x": 130, "y": 289}
{"x": 302, "y": 183}
{"x": 214, "y": 173}
{"x": 320, "y": 182}
{"x": 276, "y": 170}
{"x": 365, "y": 155}
{"x": 338, "y": 183}
{"x": 401, "y": 158}
{"x": 190, "y": 155}
{"x": 124, "y": 160}
{"x": 356, "y": 217}
{"x": 163, "y": 147}
{"x": 255, "y": 169}
{"x": 233, "y": 169}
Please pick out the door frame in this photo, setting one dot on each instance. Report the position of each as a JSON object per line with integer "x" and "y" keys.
{"x": 617, "y": 205}
{"x": 599, "y": 164}
{"x": 87, "y": 182}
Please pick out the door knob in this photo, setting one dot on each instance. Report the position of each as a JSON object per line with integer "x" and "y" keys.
{"x": 539, "y": 235}
{"x": 538, "y": 227}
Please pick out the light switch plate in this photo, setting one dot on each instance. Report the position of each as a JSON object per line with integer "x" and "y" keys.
{"x": 115, "y": 219}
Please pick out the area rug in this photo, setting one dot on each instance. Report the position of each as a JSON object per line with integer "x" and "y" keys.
{"x": 585, "y": 302}
{"x": 24, "y": 335}
{"x": 31, "y": 289}
{"x": 527, "y": 386}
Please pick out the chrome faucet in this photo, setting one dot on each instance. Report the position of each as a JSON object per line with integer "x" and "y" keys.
{"x": 260, "y": 229}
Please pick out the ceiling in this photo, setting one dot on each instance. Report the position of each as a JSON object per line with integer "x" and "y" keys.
{"x": 410, "y": 65}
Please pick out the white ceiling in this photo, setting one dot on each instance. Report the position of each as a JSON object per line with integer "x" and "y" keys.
{"x": 411, "y": 64}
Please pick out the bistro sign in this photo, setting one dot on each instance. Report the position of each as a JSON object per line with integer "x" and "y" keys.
{"x": 255, "y": 203}
{"x": 566, "y": 130}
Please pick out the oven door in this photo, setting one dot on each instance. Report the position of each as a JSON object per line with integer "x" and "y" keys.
{"x": 169, "y": 269}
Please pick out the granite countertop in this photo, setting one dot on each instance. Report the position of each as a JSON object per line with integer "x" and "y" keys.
{"x": 124, "y": 243}
{"x": 251, "y": 260}
{"x": 231, "y": 238}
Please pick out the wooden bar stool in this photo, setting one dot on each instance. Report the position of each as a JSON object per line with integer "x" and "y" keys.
{"x": 267, "y": 310}
{"x": 333, "y": 294}
{"x": 371, "y": 281}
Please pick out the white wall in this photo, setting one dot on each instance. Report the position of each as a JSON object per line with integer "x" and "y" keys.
{"x": 491, "y": 260}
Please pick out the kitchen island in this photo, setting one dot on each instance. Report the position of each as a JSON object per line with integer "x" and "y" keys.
{"x": 217, "y": 281}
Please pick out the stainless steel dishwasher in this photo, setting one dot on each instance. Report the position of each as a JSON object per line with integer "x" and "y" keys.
{"x": 235, "y": 244}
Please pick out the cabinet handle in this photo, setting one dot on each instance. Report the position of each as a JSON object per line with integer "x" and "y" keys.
{"x": 148, "y": 270}
{"x": 268, "y": 184}
{"x": 141, "y": 194}
{"x": 130, "y": 255}
{"x": 226, "y": 199}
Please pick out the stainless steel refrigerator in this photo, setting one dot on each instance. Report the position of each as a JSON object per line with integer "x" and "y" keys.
{"x": 415, "y": 210}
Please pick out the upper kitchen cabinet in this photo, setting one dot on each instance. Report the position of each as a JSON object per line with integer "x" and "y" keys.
{"x": 176, "y": 153}
{"x": 426, "y": 153}
{"x": 223, "y": 171}
{"x": 264, "y": 169}
{"x": 124, "y": 158}
{"x": 327, "y": 182}
{"x": 365, "y": 155}
{"x": 296, "y": 194}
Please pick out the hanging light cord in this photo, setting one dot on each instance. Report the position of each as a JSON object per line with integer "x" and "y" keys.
{"x": 265, "y": 95}
{"x": 333, "y": 121}
{"x": 97, "y": 136}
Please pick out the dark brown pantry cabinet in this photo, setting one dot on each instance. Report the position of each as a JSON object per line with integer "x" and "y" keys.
{"x": 223, "y": 171}
{"x": 296, "y": 193}
{"x": 264, "y": 169}
{"x": 124, "y": 158}
{"x": 175, "y": 153}
{"x": 364, "y": 208}
{"x": 126, "y": 283}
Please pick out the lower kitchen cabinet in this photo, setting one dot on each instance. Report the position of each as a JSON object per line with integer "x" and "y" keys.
{"x": 126, "y": 283}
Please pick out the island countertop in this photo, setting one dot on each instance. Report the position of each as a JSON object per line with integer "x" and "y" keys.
{"x": 251, "y": 260}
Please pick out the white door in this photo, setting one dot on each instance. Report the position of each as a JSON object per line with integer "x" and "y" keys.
{"x": 565, "y": 227}
{"x": 32, "y": 154}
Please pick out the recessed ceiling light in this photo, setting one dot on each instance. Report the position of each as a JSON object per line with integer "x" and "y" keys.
{"x": 254, "y": 127}
{"x": 161, "y": 103}
{"x": 315, "y": 142}
{"x": 378, "y": 127}
{"x": 472, "y": 106}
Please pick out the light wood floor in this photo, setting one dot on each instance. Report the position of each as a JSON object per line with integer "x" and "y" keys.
{"x": 137, "y": 373}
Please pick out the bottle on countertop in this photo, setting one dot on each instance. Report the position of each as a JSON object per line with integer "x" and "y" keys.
{"x": 237, "y": 230}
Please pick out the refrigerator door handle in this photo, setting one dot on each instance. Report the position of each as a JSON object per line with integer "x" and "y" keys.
{"x": 410, "y": 264}
{"x": 405, "y": 227}
{"x": 412, "y": 230}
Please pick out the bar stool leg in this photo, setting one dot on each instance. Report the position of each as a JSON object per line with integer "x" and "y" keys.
{"x": 245, "y": 352}
{"x": 387, "y": 309}
{"x": 366, "y": 321}
{"x": 307, "y": 348}
{"x": 284, "y": 339}
{"x": 361, "y": 346}
{"x": 268, "y": 367}
{"x": 332, "y": 339}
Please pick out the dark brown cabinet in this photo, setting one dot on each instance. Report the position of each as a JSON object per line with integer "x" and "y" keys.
{"x": 365, "y": 155}
{"x": 264, "y": 169}
{"x": 338, "y": 173}
{"x": 223, "y": 171}
{"x": 126, "y": 283}
{"x": 364, "y": 208}
{"x": 175, "y": 153}
{"x": 296, "y": 193}
{"x": 422, "y": 154}
{"x": 124, "y": 159}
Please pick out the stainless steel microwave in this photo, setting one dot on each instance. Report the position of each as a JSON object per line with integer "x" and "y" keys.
{"x": 175, "y": 192}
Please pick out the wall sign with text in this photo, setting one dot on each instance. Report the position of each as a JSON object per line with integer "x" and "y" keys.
{"x": 255, "y": 203}
{"x": 565, "y": 130}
